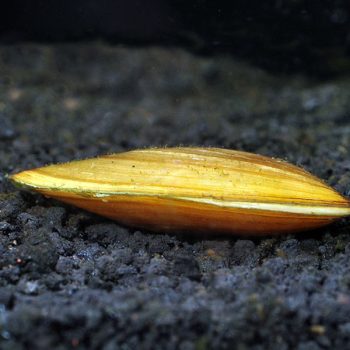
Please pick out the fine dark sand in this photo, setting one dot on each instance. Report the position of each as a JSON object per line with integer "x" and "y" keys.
{"x": 71, "y": 279}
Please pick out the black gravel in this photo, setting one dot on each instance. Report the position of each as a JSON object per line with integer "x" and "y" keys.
{"x": 70, "y": 279}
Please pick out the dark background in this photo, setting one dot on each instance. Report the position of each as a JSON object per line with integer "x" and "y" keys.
{"x": 83, "y": 78}
{"x": 284, "y": 36}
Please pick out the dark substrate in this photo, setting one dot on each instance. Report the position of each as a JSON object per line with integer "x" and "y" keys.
{"x": 70, "y": 279}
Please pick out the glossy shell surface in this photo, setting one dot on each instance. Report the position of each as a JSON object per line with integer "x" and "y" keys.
{"x": 208, "y": 190}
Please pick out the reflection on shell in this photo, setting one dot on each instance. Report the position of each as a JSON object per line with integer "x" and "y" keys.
{"x": 193, "y": 189}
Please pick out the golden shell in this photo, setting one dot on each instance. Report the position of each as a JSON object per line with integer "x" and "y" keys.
{"x": 193, "y": 189}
